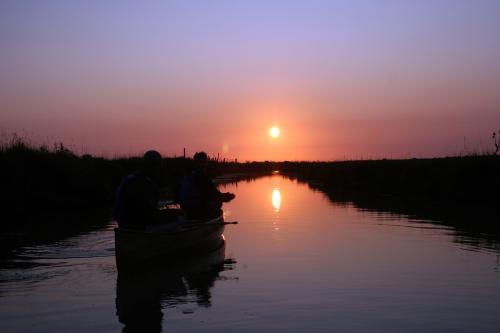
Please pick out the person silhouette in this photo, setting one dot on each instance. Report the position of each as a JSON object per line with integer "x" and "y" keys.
{"x": 137, "y": 198}
{"x": 199, "y": 197}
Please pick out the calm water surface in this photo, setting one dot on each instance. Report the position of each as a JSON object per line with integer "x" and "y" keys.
{"x": 294, "y": 263}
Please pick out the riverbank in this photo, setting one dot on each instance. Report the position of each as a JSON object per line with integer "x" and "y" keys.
{"x": 39, "y": 181}
{"x": 50, "y": 193}
{"x": 457, "y": 190}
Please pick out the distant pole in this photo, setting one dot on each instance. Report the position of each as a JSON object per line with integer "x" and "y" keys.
{"x": 184, "y": 153}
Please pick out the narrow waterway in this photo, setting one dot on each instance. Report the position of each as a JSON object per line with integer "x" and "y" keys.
{"x": 296, "y": 262}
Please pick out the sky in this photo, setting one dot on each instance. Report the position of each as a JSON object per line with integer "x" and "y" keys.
{"x": 341, "y": 79}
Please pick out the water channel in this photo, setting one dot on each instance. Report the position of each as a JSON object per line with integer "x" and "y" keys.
{"x": 296, "y": 262}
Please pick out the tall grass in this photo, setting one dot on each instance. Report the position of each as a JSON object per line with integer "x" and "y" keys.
{"x": 40, "y": 179}
{"x": 37, "y": 179}
{"x": 469, "y": 180}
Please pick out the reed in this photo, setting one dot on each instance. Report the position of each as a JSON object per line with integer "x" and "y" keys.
{"x": 39, "y": 179}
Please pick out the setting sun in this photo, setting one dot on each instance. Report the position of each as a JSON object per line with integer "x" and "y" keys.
{"x": 274, "y": 132}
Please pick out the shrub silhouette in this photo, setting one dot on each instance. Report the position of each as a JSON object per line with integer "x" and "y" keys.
{"x": 496, "y": 141}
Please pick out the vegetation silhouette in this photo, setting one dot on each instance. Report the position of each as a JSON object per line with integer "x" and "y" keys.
{"x": 459, "y": 192}
{"x": 52, "y": 188}
{"x": 49, "y": 192}
{"x": 496, "y": 141}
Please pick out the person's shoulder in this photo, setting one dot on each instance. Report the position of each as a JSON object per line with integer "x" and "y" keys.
{"x": 139, "y": 181}
{"x": 127, "y": 180}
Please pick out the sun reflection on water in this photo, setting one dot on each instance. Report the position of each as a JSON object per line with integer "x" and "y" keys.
{"x": 276, "y": 199}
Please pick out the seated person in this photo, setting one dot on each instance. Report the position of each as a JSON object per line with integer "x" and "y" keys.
{"x": 136, "y": 205}
{"x": 199, "y": 197}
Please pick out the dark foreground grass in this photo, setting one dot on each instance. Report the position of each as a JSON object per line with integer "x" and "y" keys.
{"x": 463, "y": 180}
{"x": 49, "y": 193}
{"x": 36, "y": 179}
{"x": 40, "y": 181}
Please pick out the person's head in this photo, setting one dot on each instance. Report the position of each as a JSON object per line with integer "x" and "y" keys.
{"x": 200, "y": 161}
{"x": 152, "y": 163}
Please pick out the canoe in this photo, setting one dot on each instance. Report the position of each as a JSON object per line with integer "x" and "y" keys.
{"x": 134, "y": 247}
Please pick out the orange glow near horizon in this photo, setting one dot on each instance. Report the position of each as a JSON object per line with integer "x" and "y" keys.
{"x": 361, "y": 84}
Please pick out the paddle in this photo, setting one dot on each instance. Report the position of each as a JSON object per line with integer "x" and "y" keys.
{"x": 194, "y": 225}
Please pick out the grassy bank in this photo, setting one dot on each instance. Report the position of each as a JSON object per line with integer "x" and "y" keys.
{"x": 53, "y": 181}
{"x": 461, "y": 190}
{"x": 467, "y": 180}
{"x": 49, "y": 193}
{"x": 39, "y": 180}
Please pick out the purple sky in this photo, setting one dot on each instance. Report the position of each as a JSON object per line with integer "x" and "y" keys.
{"x": 342, "y": 79}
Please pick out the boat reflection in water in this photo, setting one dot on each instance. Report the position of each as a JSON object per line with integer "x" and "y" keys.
{"x": 141, "y": 295}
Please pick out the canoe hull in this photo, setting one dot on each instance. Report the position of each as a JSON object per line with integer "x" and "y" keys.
{"x": 141, "y": 247}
